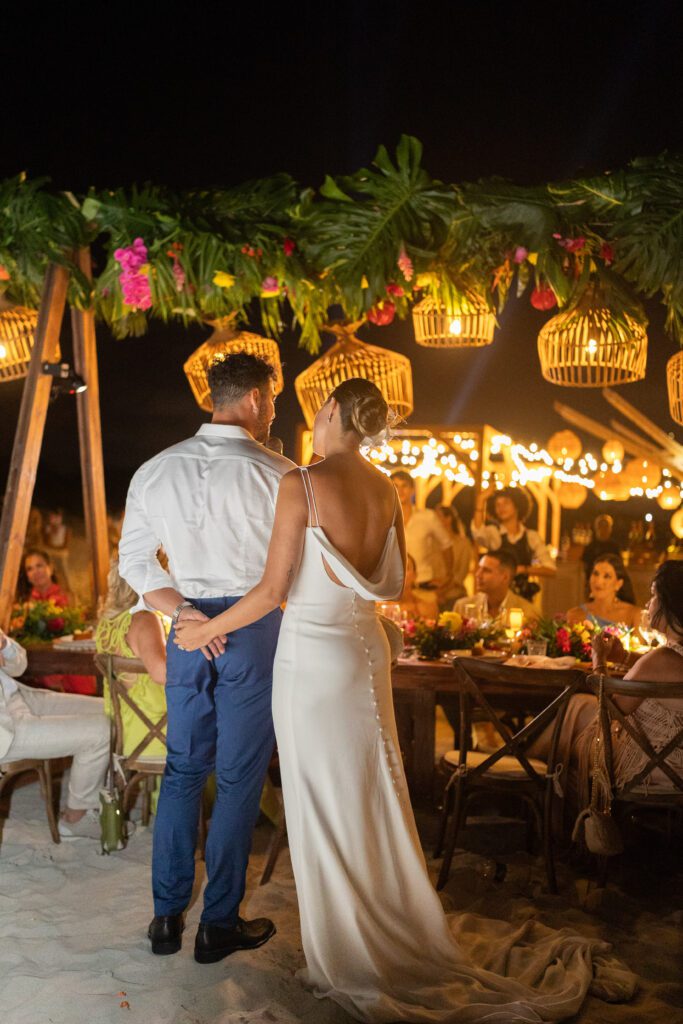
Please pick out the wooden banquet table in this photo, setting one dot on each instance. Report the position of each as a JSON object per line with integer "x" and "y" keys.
{"x": 416, "y": 686}
{"x": 57, "y": 659}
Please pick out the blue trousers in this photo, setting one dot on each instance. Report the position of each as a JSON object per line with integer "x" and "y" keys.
{"x": 219, "y": 718}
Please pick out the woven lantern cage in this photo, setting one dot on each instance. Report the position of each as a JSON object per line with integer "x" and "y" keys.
{"x": 590, "y": 348}
{"x": 613, "y": 451}
{"x": 674, "y": 382}
{"x": 571, "y": 495}
{"x": 17, "y": 330}
{"x": 669, "y": 499}
{"x": 224, "y": 341}
{"x": 470, "y": 326}
{"x": 564, "y": 444}
{"x": 351, "y": 357}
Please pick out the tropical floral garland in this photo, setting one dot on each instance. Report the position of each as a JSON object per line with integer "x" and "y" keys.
{"x": 42, "y": 621}
{"x": 372, "y": 243}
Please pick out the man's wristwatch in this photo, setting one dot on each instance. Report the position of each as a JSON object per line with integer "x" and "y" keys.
{"x": 178, "y": 609}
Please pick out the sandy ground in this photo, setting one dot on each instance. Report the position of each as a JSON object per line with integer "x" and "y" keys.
{"x": 73, "y": 944}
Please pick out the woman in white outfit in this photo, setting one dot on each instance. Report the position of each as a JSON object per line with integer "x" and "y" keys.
{"x": 375, "y": 937}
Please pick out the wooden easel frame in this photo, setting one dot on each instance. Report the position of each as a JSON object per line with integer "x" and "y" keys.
{"x": 28, "y": 438}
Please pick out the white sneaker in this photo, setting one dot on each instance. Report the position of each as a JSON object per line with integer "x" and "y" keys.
{"x": 87, "y": 827}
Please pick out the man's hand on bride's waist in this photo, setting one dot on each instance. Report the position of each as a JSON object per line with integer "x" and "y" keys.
{"x": 193, "y": 632}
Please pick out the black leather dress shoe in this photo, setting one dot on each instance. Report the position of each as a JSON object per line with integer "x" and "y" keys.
{"x": 165, "y": 934}
{"x": 213, "y": 943}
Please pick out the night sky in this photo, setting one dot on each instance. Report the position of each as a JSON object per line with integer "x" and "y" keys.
{"x": 212, "y": 96}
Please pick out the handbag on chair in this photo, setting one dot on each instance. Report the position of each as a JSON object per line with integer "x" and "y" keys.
{"x": 600, "y": 831}
{"x": 113, "y": 834}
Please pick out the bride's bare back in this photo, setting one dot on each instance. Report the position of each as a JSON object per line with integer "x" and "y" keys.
{"x": 356, "y": 507}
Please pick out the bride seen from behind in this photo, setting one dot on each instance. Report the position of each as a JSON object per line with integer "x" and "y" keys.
{"x": 374, "y": 934}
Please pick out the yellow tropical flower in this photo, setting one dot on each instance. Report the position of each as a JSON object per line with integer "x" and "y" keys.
{"x": 424, "y": 280}
{"x": 451, "y": 621}
{"x": 364, "y": 283}
{"x": 223, "y": 279}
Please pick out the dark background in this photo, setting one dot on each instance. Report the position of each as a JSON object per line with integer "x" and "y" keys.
{"x": 212, "y": 95}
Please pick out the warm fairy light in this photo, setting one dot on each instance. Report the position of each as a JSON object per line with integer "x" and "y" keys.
{"x": 455, "y": 327}
{"x": 592, "y": 346}
{"x": 3, "y": 351}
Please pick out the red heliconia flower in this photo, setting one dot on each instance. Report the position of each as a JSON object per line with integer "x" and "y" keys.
{"x": 382, "y": 313}
{"x": 543, "y": 298}
{"x": 405, "y": 264}
{"x": 607, "y": 253}
{"x": 394, "y": 289}
{"x": 289, "y": 245}
{"x": 571, "y": 244}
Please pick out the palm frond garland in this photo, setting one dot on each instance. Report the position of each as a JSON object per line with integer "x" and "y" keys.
{"x": 374, "y": 243}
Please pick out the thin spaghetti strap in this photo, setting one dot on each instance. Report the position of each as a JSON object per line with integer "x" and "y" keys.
{"x": 310, "y": 497}
{"x": 396, "y": 506}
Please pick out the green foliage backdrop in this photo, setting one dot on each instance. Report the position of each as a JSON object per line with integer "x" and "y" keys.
{"x": 372, "y": 242}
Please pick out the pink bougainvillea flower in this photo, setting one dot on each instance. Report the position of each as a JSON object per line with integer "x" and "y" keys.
{"x": 520, "y": 254}
{"x": 289, "y": 245}
{"x": 405, "y": 264}
{"x": 607, "y": 253}
{"x": 394, "y": 289}
{"x": 270, "y": 287}
{"x": 543, "y": 298}
{"x": 382, "y": 313}
{"x": 571, "y": 244}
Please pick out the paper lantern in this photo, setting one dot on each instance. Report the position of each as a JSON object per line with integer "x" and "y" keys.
{"x": 564, "y": 444}
{"x": 351, "y": 357}
{"x": 224, "y": 340}
{"x": 469, "y": 325}
{"x": 674, "y": 383}
{"x": 17, "y": 330}
{"x": 676, "y": 524}
{"x": 669, "y": 499}
{"x": 643, "y": 473}
{"x": 589, "y": 347}
{"x": 613, "y": 451}
{"x": 571, "y": 495}
{"x": 611, "y": 486}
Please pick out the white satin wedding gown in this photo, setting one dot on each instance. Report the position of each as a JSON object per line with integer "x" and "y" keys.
{"x": 375, "y": 936}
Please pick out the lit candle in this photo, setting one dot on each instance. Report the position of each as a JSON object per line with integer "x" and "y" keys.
{"x": 516, "y": 618}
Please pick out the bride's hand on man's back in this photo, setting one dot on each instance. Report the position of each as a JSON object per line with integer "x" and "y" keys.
{"x": 192, "y": 634}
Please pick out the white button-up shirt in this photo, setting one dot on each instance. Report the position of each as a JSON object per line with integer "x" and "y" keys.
{"x": 491, "y": 537}
{"x": 210, "y": 503}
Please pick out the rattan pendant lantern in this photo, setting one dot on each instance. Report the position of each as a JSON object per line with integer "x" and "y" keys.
{"x": 469, "y": 325}
{"x": 17, "y": 330}
{"x": 351, "y": 357}
{"x": 674, "y": 383}
{"x": 589, "y": 347}
{"x": 224, "y": 340}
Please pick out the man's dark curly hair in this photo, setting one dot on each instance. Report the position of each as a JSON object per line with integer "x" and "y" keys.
{"x": 231, "y": 377}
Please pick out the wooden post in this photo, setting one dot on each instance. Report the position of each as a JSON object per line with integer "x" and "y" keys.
{"x": 90, "y": 439}
{"x": 29, "y": 437}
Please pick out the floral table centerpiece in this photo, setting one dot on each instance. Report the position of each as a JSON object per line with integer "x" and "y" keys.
{"x": 451, "y": 632}
{"x": 35, "y": 622}
{"x": 562, "y": 638}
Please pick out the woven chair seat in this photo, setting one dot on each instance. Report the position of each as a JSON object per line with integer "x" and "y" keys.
{"x": 509, "y": 766}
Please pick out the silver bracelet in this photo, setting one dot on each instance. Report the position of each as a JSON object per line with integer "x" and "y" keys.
{"x": 178, "y": 609}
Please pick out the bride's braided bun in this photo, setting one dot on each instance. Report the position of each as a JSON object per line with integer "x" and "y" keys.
{"x": 362, "y": 407}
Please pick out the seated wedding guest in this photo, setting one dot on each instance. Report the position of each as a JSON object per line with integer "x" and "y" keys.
{"x": 39, "y": 724}
{"x": 602, "y": 544}
{"x": 38, "y": 580}
{"x": 134, "y": 632}
{"x": 510, "y": 508}
{"x": 415, "y": 603}
{"x": 659, "y": 721}
{"x": 493, "y": 595}
{"x": 463, "y": 552}
{"x": 427, "y": 539}
{"x": 611, "y": 598}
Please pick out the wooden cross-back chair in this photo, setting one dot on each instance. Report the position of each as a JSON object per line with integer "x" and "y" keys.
{"x": 138, "y": 768}
{"x": 509, "y": 769}
{"x": 43, "y": 768}
{"x": 640, "y": 789}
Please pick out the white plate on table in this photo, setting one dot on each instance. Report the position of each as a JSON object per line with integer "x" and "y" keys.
{"x": 72, "y": 643}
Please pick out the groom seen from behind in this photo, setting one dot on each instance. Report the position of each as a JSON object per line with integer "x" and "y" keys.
{"x": 209, "y": 501}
